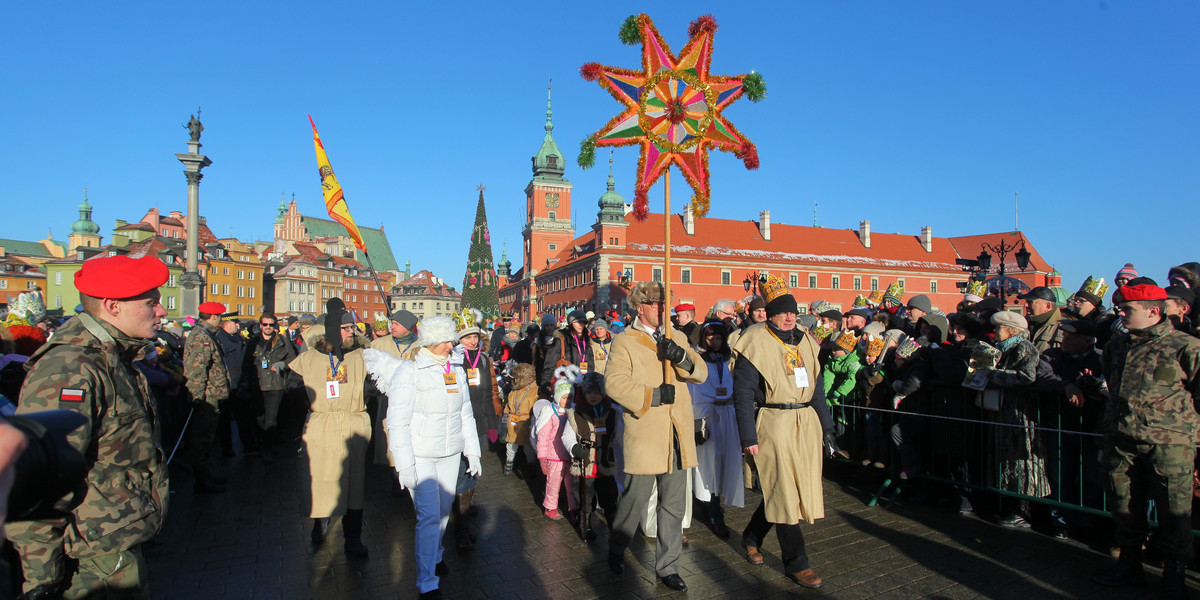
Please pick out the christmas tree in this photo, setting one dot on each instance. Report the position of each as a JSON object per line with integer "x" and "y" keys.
{"x": 480, "y": 282}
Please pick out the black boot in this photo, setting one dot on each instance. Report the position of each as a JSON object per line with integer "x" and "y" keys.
{"x": 716, "y": 516}
{"x": 352, "y": 525}
{"x": 1174, "y": 582}
{"x": 268, "y": 446}
{"x": 461, "y": 510}
{"x": 1127, "y": 572}
{"x": 585, "y": 526}
{"x": 320, "y": 530}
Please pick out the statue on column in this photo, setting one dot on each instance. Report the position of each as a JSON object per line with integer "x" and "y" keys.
{"x": 195, "y": 128}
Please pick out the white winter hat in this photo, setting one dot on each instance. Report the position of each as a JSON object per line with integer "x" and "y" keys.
{"x": 432, "y": 331}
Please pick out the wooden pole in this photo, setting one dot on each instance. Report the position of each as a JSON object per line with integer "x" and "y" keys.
{"x": 668, "y": 375}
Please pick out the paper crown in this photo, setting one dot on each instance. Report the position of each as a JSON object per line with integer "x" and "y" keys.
{"x": 894, "y": 292}
{"x": 1095, "y": 287}
{"x": 876, "y": 297}
{"x": 26, "y": 309}
{"x": 977, "y": 288}
{"x": 382, "y": 323}
{"x": 821, "y": 332}
{"x": 860, "y": 302}
{"x": 907, "y": 349}
{"x": 819, "y": 307}
{"x": 847, "y": 341}
{"x": 773, "y": 288}
{"x": 467, "y": 319}
{"x": 874, "y": 346}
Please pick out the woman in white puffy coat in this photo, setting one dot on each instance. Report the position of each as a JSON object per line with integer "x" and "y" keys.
{"x": 430, "y": 426}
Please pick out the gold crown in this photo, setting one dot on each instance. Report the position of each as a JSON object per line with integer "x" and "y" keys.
{"x": 907, "y": 348}
{"x": 1095, "y": 287}
{"x": 467, "y": 319}
{"x": 773, "y": 288}
{"x": 895, "y": 292}
{"x": 821, "y": 332}
{"x": 874, "y": 346}
{"x": 876, "y": 297}
{"x": 977, "y": 288}
{"x": 860, "y": 302}
{"x": 847, "y": 341}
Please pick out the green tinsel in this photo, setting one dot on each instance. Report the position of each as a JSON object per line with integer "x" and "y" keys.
{"x": 629, "y": 33}
{"x": 587, "y": 153}
{"x": 755, "y": 87}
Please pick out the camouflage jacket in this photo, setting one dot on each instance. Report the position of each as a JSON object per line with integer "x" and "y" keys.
{"x": 124, "y": 500}
{"x": 1153, "y": 379}
{"x": 204, "y": 365}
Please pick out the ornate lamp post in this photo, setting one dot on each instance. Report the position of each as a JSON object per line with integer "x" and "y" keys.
{"x": 193, "y": 162}
{"x": 752, "y": 281}
{"x": 1004, "y": 288}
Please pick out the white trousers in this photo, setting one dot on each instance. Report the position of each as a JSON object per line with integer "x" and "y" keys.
{"x": 434, "y": 493}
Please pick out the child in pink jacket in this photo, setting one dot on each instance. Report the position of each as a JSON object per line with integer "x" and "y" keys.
{"x": 549, "y": 418}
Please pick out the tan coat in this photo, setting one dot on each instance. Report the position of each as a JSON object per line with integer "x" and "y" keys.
{"x": 632, "y": 373}
{"x": 335, "y": 434}
{"x": 516, "y": 413}
{"x": 789, "y": 440}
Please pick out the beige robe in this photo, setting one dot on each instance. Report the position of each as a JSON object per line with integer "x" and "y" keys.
{"x": 789, "y": 457}
{"x": 335, "y": 434}
{"x": 632, "y": 373}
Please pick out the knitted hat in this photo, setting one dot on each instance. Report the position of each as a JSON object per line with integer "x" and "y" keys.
{"x": 1126, "y": 272}
{"x": 920, "y": 302}
{"x": 756, "y": 304}
{"x": 549, "y": 321}
{"x": 807, "y": 321}
{"x": 577, "y": 316}
{"x": 405, "y": 318}
{"x": 566, "y": 378}
{"x": 435, "y": 330}
{"x": 600, "y": 324}
{"x": 592, "y": 382}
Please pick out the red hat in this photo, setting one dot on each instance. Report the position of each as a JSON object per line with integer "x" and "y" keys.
{"x": 212, "y": 308}
{"x": 683, "y": 307}
{"x": 120, "y": 276}
{"x": 1143, "y": 291}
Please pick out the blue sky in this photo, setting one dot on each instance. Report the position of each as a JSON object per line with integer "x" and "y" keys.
{"x": 904, "y": 113}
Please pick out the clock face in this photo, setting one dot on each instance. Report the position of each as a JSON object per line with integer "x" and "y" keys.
{"x": 552, "y": 200}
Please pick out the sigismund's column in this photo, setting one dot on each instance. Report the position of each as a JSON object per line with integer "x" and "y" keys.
{"x": 193, "y": 162}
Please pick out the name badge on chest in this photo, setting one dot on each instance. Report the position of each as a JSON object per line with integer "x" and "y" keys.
{"x": 472, "y": 376}
{"x": 451, "y": 383}
{"x": 333, "y": 389}
{"x": 583, "y": 367}
{"x": 801, "y": 377}
{"x": 264, "y": 363}
{"x": 722, "y": 391}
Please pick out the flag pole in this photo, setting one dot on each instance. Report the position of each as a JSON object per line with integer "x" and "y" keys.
{"x": 387, "y": 310}
{"x": 665, "y": 321}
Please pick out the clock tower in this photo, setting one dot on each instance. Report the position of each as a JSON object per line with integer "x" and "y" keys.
{"x": 548, "y": 228}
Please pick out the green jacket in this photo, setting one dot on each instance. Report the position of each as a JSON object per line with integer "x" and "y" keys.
{"x": 88, "y": 368}
{"x": 1153, "y": 379}
{"x": 204, "y": 365}
{"x": 841, "y": 375}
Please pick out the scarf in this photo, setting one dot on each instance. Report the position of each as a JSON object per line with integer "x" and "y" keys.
{"x": 790, "y": 337}
{"x": 1009, "y": 343}
{"x": 440, "y": 360}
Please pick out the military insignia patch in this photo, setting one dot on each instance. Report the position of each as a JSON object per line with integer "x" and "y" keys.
{"x": 70, "y": 395}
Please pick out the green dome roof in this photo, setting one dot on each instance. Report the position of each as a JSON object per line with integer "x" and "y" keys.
{"x": 85, "y": 225}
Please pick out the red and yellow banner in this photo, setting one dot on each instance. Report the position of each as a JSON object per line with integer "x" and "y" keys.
{"x": 335, "y": 201}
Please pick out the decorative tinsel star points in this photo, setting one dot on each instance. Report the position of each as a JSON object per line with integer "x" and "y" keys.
{"x": 673, "y": 109}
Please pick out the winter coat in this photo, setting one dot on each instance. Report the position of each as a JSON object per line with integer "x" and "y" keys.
{"x": 1020, "y": 451}
{"x": 1047, "y": 335}
{"x": 595, "y": 427}
{"x": 204, "y": 365}
{"x": 566, "y": 346}
{"x": 631, "y": 376}
{"x": 481, "y": 381}
{"x": 841, "y": 376}
{"x": 87, "y": 367}
{"x": 600, "y": 351}
{"x": 266, "y": 363}
{"x": 1153, "y": 379}
{"x": 518, "y": 404}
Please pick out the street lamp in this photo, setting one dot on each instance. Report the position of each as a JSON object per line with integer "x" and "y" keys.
{"x": 1004, "y": 287}
{"x": 752, "y": 281}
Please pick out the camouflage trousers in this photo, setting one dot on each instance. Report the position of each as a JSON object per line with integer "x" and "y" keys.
{"x": 199, "y": 437}
{"x": 117, "y": 576}
{"x": 1137, "y": 472}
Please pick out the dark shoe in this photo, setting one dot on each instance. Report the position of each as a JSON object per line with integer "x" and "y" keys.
{"x": 1125, "y": 573}
{"x": 616, "y": 563}
{"x": 720, "y": 529}
{"x": 1013, "y": 521}
{"x": 807, "y": 578}
{"x": 441, "y": 569}
{"x": 1174, "y": 582}
{"x": 431, "y": 595}
{"x": 213, "y": 477}
{"x": 355, "y": 548}
{"x": 753, "y": 555}
{"x": 675, "y": 582}
{"x": 320, "y": 530}
{"x": 204, "y": 485}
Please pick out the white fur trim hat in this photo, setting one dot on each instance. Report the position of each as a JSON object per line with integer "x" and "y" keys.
{"x": 432, "y": 331}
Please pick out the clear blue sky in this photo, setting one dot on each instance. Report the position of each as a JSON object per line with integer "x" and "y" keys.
{"x": 904, "y": 113}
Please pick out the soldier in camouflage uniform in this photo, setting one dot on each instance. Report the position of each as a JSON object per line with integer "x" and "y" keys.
{"x": 208, "y": 383}
{"x": 95, "y": 549}
{"x": 1150, "y": 430}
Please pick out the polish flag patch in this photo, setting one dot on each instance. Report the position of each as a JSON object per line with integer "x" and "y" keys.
{"x": 70, "y": 395}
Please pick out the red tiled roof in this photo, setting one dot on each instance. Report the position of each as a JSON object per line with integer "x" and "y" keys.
{"x": 430, "y": 288}
{"x": 969, "y": 246}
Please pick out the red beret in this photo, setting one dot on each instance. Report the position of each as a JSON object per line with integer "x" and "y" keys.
{"x": 120, "y": 276}
{"x": 683, "y": 307}
{"x": 1145, "y": 291}
{"x": 212, "y": 308}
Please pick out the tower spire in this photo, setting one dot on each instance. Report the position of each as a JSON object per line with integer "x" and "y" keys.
{"x": 549, "y": 112}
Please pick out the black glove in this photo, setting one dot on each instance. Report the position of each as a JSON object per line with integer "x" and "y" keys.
{"x": 46, "y": 591}
{"x": 668, "y": 349}
{"x": 831, "y": 446}
{"x": 579, "y": 452}
{"x": 663, "y": 394}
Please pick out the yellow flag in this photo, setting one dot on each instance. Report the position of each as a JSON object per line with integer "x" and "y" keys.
{"x": 335, "y": 202}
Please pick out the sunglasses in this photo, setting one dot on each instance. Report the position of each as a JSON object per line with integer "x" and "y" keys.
{"x": 266, "y": 324}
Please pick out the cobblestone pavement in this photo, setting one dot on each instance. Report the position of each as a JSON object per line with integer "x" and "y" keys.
{"x": 253, "y": 542}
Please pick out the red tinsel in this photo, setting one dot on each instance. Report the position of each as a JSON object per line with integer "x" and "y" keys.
{"x": 749, "y": 155}
{"x": 701, "y": 24}
{"x": 641, "y": 205}
{"x": 591, "y": 71}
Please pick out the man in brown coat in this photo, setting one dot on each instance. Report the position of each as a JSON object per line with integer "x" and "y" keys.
{"x": 659, "y": 440}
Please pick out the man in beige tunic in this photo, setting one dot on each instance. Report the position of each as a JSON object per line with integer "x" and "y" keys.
{"x": 782, "y": 420}
{"x": 659, "y": 439}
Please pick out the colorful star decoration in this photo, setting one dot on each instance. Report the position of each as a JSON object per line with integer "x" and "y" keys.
{"x": 672, "y": 110}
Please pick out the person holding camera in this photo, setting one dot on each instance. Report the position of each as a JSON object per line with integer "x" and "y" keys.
{"x": 659, "y": 439}
{"x": 95, "y": 546}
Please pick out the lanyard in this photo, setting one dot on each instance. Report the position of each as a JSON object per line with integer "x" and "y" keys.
{"x": 333, "y": 368}
{"x": 447, "y": 367}
{"x": 720, "y": 372}
{"x": 579, "y": 347}
{"x": 478, "y": 355}
{"x": 397, "y": 342}
{"x": 562, "y": 417}
{"x": 794, "y": 361}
